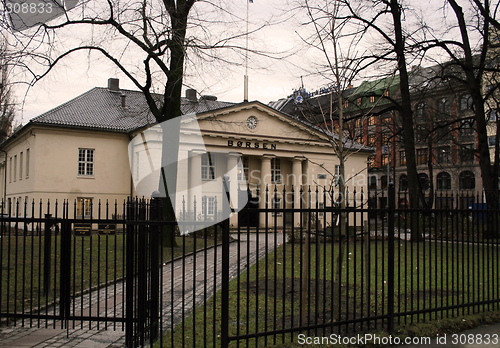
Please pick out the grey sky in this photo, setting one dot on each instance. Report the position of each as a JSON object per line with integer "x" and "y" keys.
{"x": 270, "y": 79}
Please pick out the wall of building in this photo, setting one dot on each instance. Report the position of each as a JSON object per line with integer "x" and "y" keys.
{"x": 53, "y": 166}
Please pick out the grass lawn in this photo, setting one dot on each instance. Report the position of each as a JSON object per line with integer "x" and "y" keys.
{"x": 271, "y": 296}
{"x": 94, "y": 260}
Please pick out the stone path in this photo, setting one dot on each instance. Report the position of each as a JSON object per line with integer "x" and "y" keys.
{"x": 182, "y": 282}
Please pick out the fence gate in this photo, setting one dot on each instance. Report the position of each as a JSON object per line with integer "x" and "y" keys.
{"x": 86, "y": 273}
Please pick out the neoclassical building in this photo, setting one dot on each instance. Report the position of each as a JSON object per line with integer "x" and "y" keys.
{"x": 104, "y": 145}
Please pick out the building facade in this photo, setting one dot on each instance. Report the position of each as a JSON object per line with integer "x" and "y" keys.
{"x": 444, "y": 128}
{"x": 104, "y": 146}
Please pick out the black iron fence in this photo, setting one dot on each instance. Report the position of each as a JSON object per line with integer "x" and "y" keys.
{"x": 95, "y": 272}
{"x": 355, "y": 269}
{"x": 309, "y": 266}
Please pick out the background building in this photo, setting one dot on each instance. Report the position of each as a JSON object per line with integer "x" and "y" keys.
{"x": 444, "y": 126}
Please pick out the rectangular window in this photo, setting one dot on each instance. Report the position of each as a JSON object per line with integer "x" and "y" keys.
{"x": 15, "y": 167}
{"x": 208, "y": 205}
{"x": 402, "y": 158}
{"x": 466, "y": 127}
{"x": 276, "y": 204}
{"x": 372, "y": 161}
{"x": 86, "y": 162}
{"x": 371, "y": 140}
{"x": 492, "y": 115}
{"x": 27, "y": 163}
{"x": 467, "y": 153}
{"x": 276, "y": 171}
{"x": 359, "y": 101}
{"x": 208, "y": 166}
{"x": 372, "y": 99}
{"x": 21, "y": 159}
{"x": 384, "y": 160}
{"x": 420, "y": 133}
{"x": 371, "y": 121}
{"x": 385, "y": 138}
{"x": 491, "y": 141}
{"x": 243, "y": 169}
{"x": 83, "y": 207}
{"x": 421, "y": 157}
{"x": 443, "y": 154}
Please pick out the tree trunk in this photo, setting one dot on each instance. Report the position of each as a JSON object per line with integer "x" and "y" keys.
{"x": 406, "y": 113}
{"x": 171, "y": 111}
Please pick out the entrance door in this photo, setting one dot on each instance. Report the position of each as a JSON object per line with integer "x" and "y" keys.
{"x": 249, "y": 215}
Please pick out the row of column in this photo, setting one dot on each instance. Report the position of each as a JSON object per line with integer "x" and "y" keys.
{"x": 265, "y": 175}
{"x": 195, "y": 180}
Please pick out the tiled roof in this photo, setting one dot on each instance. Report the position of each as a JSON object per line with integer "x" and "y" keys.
{"x": 100, "y": 109}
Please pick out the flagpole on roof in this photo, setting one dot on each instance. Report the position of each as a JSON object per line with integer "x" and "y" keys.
{"x": 245, "y": 87}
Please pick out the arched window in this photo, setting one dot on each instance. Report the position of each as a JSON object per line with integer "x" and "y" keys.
{"x": 403, "y": 182}
{"x": 423, "y": 179}
{"x": 467, "y": 180}
{"x": 466, "y": 102}
{"x": 444, "y": 106}
{"x": 443, "y": 181}
{"x": 373, "y": 182}
{"x": 383, "y": 182}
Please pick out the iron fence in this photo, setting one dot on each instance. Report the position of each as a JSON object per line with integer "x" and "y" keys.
{"x": 360, "y": 269}
{"x": 308, "y": 265}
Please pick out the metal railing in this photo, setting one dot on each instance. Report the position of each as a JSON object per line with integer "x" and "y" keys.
{"x": 297, "y": 266}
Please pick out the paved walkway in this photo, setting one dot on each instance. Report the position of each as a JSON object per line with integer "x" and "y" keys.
{"x": 188, "y": 291}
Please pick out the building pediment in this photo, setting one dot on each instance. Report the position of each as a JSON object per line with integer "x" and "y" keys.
{"x": 258, "y": 126}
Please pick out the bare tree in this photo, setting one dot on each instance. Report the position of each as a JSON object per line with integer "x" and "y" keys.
{"x": 336, "y": 40}
{"x": 149, "y": 41}
{"x": 384, "y": 19}
{"x": 7, "y": 104}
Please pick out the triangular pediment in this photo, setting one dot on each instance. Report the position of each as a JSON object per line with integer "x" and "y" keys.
{"x": 259, "y": 122}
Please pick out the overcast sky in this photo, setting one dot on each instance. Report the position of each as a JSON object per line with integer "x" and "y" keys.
{"x": 269, "y": 79}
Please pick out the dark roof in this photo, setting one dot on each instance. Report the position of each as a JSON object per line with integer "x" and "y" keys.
{"x": 100, "y": 109}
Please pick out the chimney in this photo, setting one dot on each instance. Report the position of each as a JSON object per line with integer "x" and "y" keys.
{"x": 124, "y": 97}
{"x": 191, "y": 95}
{"x": 114, "y": 85}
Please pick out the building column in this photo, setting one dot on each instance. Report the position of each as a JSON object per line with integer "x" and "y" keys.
{"x": 232, "y": 171}
{"x": 297, "y": 185}
{"x": 195, "y": 183}
{"x": 265, "y": 181}
{"x": 265, "y": 178}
